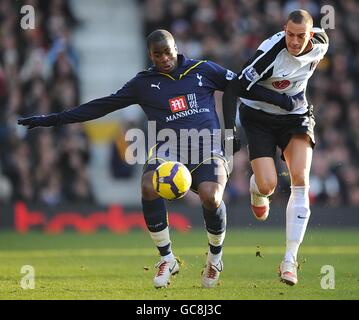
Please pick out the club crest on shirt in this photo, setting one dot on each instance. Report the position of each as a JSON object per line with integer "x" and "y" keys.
{"x": 283, "y": 84}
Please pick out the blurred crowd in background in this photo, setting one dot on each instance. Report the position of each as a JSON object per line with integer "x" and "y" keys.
{"x": 39, "y": 75}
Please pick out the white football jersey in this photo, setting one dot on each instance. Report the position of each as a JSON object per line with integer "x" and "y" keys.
{"x": 274, "y": 68}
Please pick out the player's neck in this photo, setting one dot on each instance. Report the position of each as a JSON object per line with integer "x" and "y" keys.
{"x": 307, "y": 49}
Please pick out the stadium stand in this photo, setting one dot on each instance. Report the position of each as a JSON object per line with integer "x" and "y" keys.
{"x": 39, "y": 74}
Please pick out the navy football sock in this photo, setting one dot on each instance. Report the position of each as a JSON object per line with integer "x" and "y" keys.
{"x": 216, "y": 222}
{"x": 155, "y": 214}
{"x": 165, "y": 251}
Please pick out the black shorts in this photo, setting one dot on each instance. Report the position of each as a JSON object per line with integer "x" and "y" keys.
{"x": 202, "y": 172}
{"x": 266, "y": 131}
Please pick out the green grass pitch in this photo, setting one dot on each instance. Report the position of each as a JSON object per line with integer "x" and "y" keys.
{"x": 116, "y": 266}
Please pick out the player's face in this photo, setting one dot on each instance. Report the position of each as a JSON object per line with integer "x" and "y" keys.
{"x": 164, "y": 55}
{"x": 297, "y": 36}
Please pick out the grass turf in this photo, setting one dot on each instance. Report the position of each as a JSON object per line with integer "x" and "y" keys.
{"x": 110, "y": 266}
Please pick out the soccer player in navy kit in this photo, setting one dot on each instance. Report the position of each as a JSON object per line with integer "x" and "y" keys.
{"x": 176, "y": 93}
{"x": 283, "y": 65}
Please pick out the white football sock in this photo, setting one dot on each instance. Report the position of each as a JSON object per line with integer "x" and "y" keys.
{"x": 162, "y": 239}
{"x": 214, "y": 258}
{"x": 169, "y": 257}
{"x": 215, "y": 240}
{"x": 298, "y": 213}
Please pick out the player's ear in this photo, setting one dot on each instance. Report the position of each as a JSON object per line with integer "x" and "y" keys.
{"x": 149, "y": 53}
{"x": 311, "y": 35}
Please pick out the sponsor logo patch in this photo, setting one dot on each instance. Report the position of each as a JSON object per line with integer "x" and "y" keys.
{"x": 281, "y": 84}
{"x": 178, "y": 104}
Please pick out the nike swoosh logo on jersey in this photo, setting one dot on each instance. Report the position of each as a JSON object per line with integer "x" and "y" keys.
{"x": 300, "y": 217}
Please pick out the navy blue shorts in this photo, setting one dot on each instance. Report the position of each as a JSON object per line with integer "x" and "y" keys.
{"x": 205, "y": 171}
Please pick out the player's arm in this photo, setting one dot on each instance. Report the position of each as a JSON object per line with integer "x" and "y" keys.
{"x": 237, "y": 88}
{"x": 246, "y": 86}
{"x": 220, "y": 78}
{"x": 88, "y": 111}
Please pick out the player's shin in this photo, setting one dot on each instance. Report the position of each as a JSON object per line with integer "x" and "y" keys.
{"x": 155, "y": 215}
{"x": 298, "y": 213}
{"x": 215, "y": 221}
{"x": 259, "y": 201}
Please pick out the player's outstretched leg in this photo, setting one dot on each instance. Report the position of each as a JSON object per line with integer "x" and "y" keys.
{"x": 298, "y": 155}
{"x": 259, "y": 202}
{"x": 298, "y": 213}
{"x": 210, "y": 190}
{"x": 155, "y": 214}
{"x": 215, "y": 221}
{"x": 156, "y": 219}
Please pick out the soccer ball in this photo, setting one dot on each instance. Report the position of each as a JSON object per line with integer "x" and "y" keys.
{"x": 172, "y": 180}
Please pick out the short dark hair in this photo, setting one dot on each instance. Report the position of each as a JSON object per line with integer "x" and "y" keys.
{"x": 157, "y": 36}
{"x": 299, "y": 16}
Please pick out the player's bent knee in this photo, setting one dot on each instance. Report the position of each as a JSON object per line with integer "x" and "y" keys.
{"x": 267, "y": 188}
{"x": 211, "y": 202}
{"x": 211, "y": 197}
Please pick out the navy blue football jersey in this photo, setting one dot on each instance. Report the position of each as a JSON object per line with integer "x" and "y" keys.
{"x": 183, "y": 99}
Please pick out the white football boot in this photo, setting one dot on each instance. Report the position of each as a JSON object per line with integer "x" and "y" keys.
{"x": 259, "y": 204}
{"x": 288, "y": 272}
{"x": 210, "y": 275}
{"x": 166, "y": 269}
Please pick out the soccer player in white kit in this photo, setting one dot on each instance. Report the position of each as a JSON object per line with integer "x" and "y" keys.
{"x": 282, "y": 67}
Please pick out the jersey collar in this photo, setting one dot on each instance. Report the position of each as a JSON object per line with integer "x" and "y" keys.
{"x": 184, "y": 65}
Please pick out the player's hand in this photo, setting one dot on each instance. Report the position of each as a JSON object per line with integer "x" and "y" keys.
{"x": 292, "y": 102}
{"x": 38, "y": 121}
